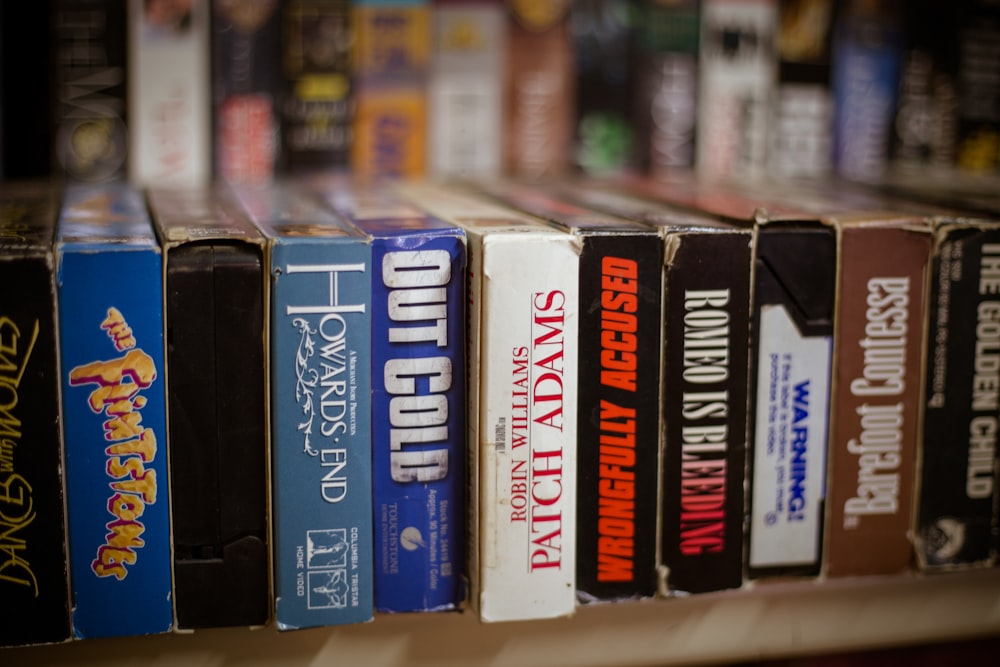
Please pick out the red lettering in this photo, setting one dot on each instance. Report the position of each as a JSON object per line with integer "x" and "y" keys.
{"x": 708, "y": 538}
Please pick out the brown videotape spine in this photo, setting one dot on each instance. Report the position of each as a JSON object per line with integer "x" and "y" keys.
{"x": 876, "y": 396}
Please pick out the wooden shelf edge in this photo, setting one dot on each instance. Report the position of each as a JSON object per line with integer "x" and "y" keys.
{"x": 777, "y": 620}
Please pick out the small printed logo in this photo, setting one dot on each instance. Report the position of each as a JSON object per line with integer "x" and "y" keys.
{"x": 326, "y": 561}
{"x": 326, "y": 548}
{"x": 945, "y": 539}
{"x": 328, "y": 589}
{"x": 411, "y": 539}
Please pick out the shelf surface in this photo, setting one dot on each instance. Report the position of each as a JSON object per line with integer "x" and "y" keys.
{"x": 774, "y": 620}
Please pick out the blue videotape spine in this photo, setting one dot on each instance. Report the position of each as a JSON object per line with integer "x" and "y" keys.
{"x": 114, "y": 412}
{"x": 418, "y": 400}
{"x": 320, "y": 389}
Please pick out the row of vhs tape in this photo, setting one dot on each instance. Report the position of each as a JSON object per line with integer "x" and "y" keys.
{"x": 301, "y": 404}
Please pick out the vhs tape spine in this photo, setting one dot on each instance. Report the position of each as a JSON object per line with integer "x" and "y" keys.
{"x": 705, "y": 384}
{"x": 736, "y": 79}
{"x": 317, "y": 108}
{"x": 666, "y": 111}
{"x": 246, "y": 80}
{"x": 925, "y": 119}
{"x": 618, "y": 431}
{"x": 523, "y": 398}
{"x": 34, "y": 584}
{"x": 91, "y": 132}
{"x": 320, "y": 388}
{"x": 418, "y": 401}
{"x": 538, "y": 93}
{"x": 877, "y": 389}
{"x": 391, "y": 60}
{"x": 792, "y": 353}
{"x": 867, "y": 58}
{"x": 603, "y": 43}
{"x": 801, "y": 141}
{"x": 976, "y": 41}
{"x": 531, "y": 380}
{"x": 465, "y": 88}
{"x": 169, "y": 95}
{"x": 114, "y": 409}
{"x": 957, "y": 492}
{"x": 216, "y": 405}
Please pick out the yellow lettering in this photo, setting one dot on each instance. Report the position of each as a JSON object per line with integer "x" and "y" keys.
{"x": 126, "y": 506}
{"x": 124, "y": 426}
{"x": 144, "y": 486}
{"x": 118, "y": 330}
{"x": 111, "y": 562}
{"x": 119, "y": 382}
{"x": 144, "y": 446}
{"x": 115, "y": 397}
{"x": 135, "y": 364}
{"x": 125, "y": 535}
